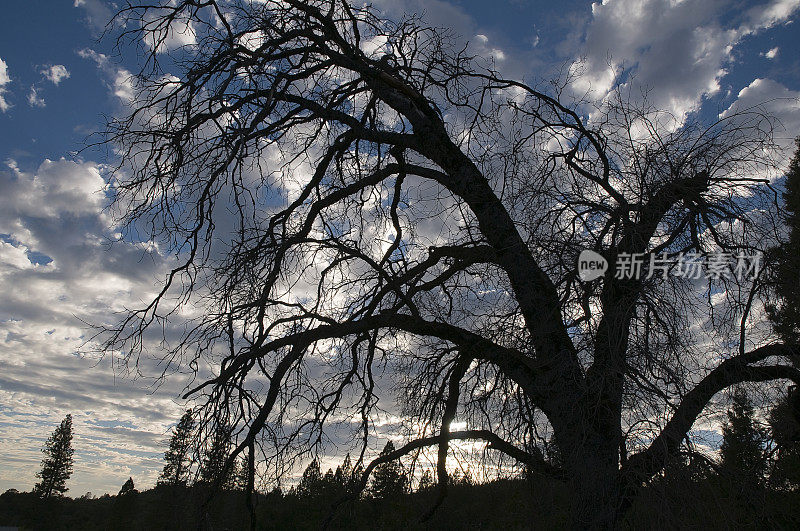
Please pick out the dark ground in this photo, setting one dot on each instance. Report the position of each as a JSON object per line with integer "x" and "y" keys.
{"x": 503, "y": 504}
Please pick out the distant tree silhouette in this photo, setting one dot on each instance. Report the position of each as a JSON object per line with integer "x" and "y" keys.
{"x": 785, "y": 316}
{"x": 785, "y": 433}
{"x": 343, "y": 472}
{"x": 347, "y": 477}
{"x": 311, "y": 481}
{"x": 461, "y": 478}
{"x": 239, "y": 475}
{"x": 742, "y": 450}
{"x": 176, "y": 466}
{"x": 57, "y": 463}
{"x": 127, "y": 488}
{"x": 213, "y": 467}
{"x": 389, "y": 480}
{"x": 785, "y": 260}
{"x": 426, "y": 481}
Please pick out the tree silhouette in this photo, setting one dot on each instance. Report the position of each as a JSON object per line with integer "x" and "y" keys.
{"x": 742, "y": 454}
{"x": 239, "y": 476}
{"x": 215, "y": 468}
{"x": 389, "y": 480}
{"x": 347, "y": 477}
{"x": 310, "y": 484}
{"x": 176, "y": 466}
{"x": 785, "y": 316}
{"x": 347, "y": 194}
{"x": 128, "y": 488}
{"x": 426, "y": 481}
{"x": 785, "y": 277}
{"x": 784, "y": 425}
{"x": 57, "y": 463}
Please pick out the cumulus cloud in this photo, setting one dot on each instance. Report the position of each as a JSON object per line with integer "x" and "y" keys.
{"x": 55, "y": 73}
{"x": 4, "y": 80}
{"x": 163, "y": 39}
{"x": 774, "y": 99}
{"x": 679, "y": 51}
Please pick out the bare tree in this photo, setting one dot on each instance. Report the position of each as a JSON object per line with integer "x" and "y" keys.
{"x": 346, "y": 194}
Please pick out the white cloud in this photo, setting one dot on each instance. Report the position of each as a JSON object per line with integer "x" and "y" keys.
{"x": 58, "y": 271}
{"x": 676, "y": 51}
{"x": 14, "y": 255}
{"x": 4, "y": 80}
{"x": 55, "y": 73}
{"x": 98, "y": 13}
{"x": 771, "y": 13}
{"x": 34, "y": 100}
{"x": 771, "y": 53}
{"x": 179, "y": 34}
{"x": 120, "y": 79}
{"x": 774, "y": 99}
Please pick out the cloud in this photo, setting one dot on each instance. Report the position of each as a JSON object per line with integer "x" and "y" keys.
{"x": 34, "y": 100}
{"x": 58, "y": 271}
{"x": 14, "y": 256}
{"x": 4, "y": 80}
{"x": 774, "y": 99}
{"x": 178, "y": 34}
{"x": 55, "y": 73}
{"x": 97, "y": 12}
{"x": 120, "y": 80}
{"x": 772, "y": 53}
{"x": 678, "y": 51}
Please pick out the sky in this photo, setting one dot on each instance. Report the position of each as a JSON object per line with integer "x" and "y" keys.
{"x": 63, "y": 266}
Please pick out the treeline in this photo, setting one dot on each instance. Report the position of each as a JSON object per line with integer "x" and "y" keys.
{"x": 754, "y": 483}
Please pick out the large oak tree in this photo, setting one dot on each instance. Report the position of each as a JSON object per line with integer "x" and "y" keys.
{"x": 346, "y": 193}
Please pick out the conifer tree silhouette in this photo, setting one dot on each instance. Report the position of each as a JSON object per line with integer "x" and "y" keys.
{"x": 743, "y": 459}
{"x": 389, "y": 479}
{"x": 57, "y": 463}
{"x": 176, "y": 466}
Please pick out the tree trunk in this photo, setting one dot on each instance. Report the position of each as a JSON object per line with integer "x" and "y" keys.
{"x": 595, "y": 502}
{"x": 589, "y": 445}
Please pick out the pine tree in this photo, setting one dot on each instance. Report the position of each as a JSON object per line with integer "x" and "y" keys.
{"x": 785, "y": 261}
{"x": 389, "y": 479}
{"x": 213, "y": 465}
{"x": 785, "y": 433}
{"x": 240, "y": 474}
{"x": 57, "y": 463}
{"x": 127, "y": 488}
{"x": 176, "y": 466}
{"x": 785, "y": 316}
{"x": 347, "y": 477}
{"x": 311, "y": 482}
{"x": 742, "y": 451}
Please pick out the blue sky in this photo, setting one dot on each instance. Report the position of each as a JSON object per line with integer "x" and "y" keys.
{"x": 58, "y": 271}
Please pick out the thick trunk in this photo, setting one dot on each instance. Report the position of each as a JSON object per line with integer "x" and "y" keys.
{"x": 590, "y": 449}
{"x": 595, "y": 485}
